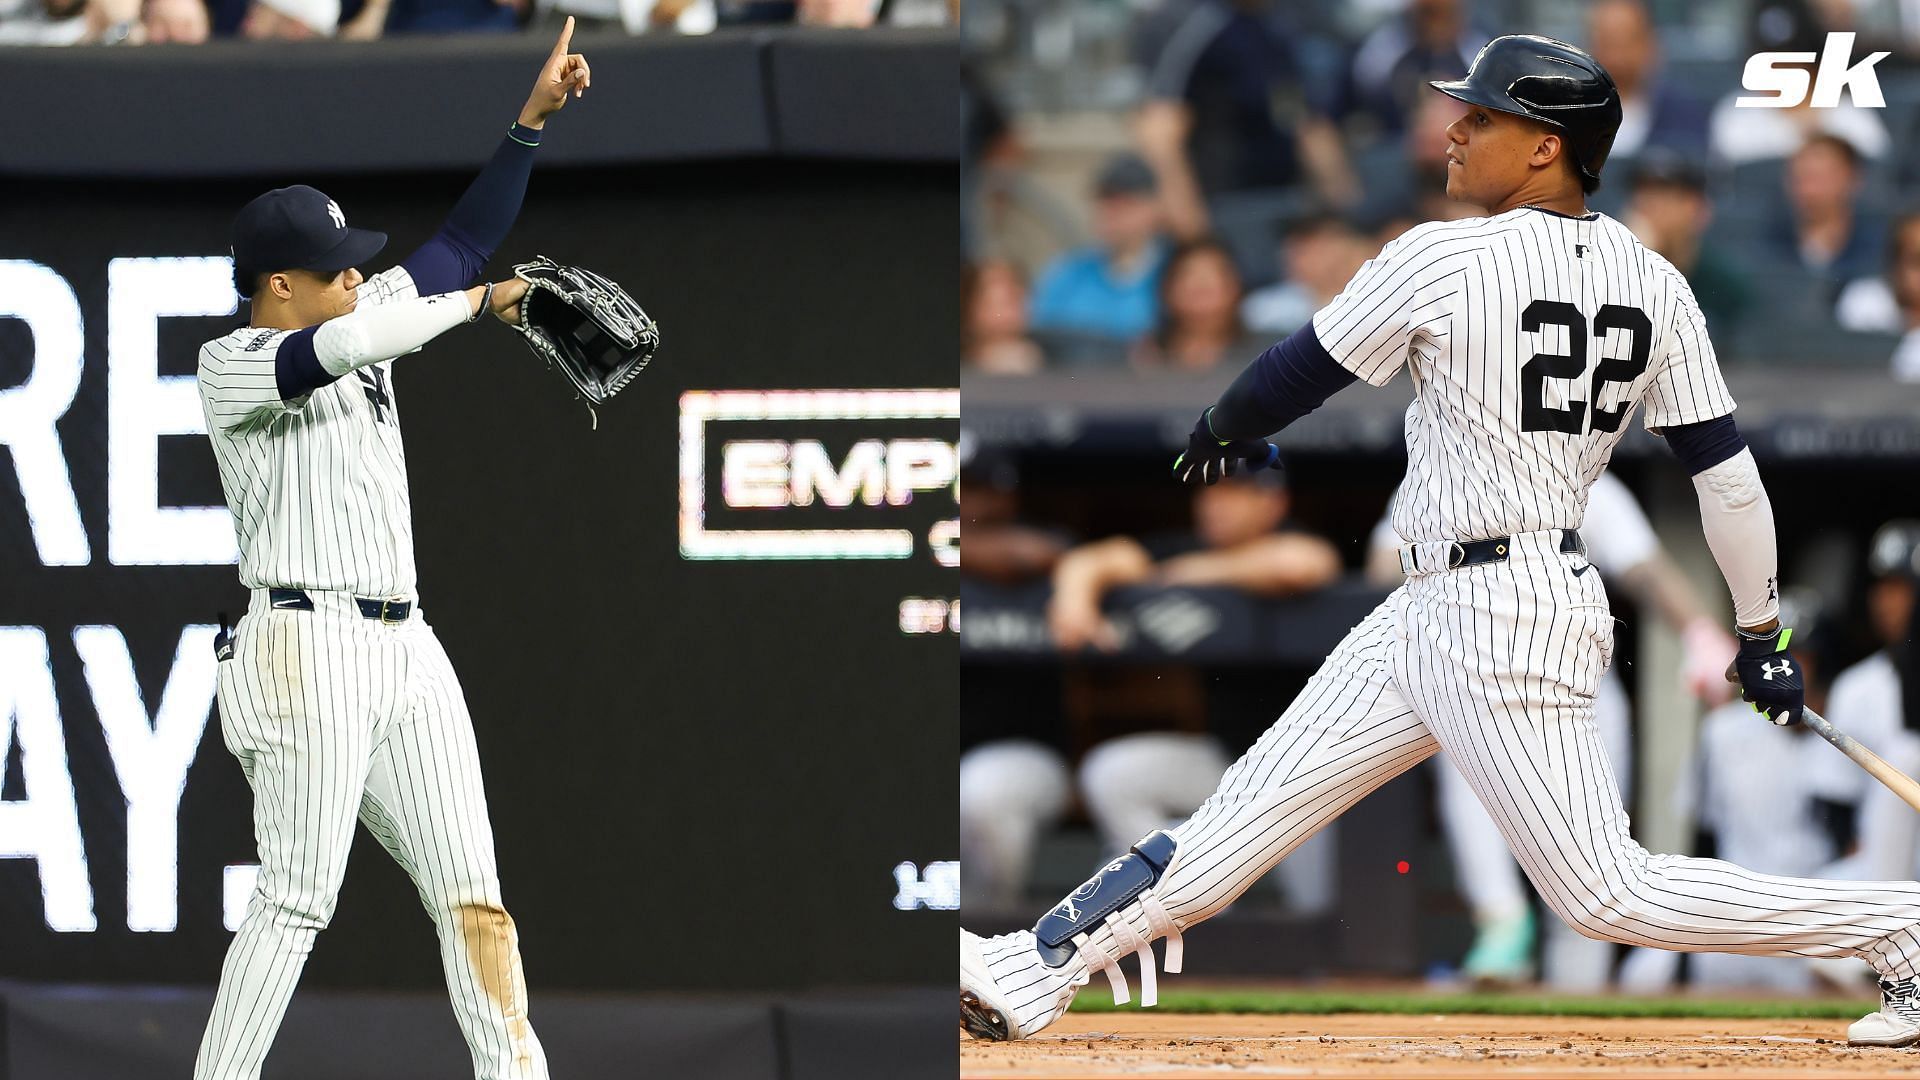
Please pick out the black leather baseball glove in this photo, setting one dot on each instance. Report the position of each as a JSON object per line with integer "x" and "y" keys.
{"x": 585, "y": 325}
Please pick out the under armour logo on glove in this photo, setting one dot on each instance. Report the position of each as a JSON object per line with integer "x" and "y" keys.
{"x": 1767, "y": 677}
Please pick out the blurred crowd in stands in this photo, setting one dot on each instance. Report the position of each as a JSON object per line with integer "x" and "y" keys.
{"x": 153, "y": 22}
{"x": 1262, "y": 151}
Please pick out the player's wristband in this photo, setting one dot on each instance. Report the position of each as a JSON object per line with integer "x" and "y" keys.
{"x": 525, "y": 136}
{"x": 486, "y": 303}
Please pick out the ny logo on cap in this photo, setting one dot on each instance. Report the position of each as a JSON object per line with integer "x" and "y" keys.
{"x": 1769, "y": 669}
{"x": 333, "y": 211}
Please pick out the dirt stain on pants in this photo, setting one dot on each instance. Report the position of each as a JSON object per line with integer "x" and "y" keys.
{"x": 493, "y": 950}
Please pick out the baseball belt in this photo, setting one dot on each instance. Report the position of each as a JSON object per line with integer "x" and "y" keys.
{"x": 387, "y": 611}
{"x": 1435, "y": 556}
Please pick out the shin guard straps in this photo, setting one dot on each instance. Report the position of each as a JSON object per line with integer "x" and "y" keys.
{"x": 1067, "y": 929}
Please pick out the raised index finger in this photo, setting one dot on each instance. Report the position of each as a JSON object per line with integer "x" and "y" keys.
{"x": 560, "y": 47}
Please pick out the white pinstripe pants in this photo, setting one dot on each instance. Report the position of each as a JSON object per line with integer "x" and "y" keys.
{"x": 1497, "y": 665}
{"x": 334, "y": 717}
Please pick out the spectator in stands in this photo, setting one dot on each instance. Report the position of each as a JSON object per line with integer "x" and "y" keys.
{"x": 1890, "y": 302}
{"x": 179, "y": 22}
{"x": 447, "y": 16}
{"x": 1433, "y": 39}
{"x": 1109, "y": 290}
{"x": 296, "y": 20}
{"x": 42, "y": 22}
{"x": 1240, "y": 539}
{"x": 993, "y": 338}
{"x": 1199, "y": 325}
{"x": 858, "y": 14}
{"x": 629, "y": 16}
{"x": 1229, "y": 108}
{"x": 1738, "y": 136}
{"x": 1823, "y": 229}
{"x": 1653, "y": 112}
{"x": 1321, "y": 253}
{"x": 1669, "y": 211}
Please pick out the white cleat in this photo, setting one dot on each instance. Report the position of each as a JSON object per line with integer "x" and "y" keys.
{"x": 1898, "y": 1021}
{"x": 1006, "y": 992}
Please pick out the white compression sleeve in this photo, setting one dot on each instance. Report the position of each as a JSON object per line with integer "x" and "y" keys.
{"x": 1738, "y": 520}
{"x": 384, "y": 331}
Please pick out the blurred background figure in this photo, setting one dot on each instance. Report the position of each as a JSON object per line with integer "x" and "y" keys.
{"x": 1876, "y": 701}
{"x": 42, "y": 22}
{"x": 1653, "y": 111}
{"x": 1240, "y": 539}
{"x": 1199, "y": 324}
{"x": 1321, "y": 253}
{"x": 1387, "y": 81}
{"x": 1011, "y": 790}
{"x": 1823, "y": 229}
{"x": 1889, "y": 303}
{"x": 1227, "y": 108}
{"x": 1670, "y": 212}
{"x": 994, "y": 338}
{"x": 995, "y": 543}
{"x": 299, "y": 20}
{"x": 1110, "y": 290}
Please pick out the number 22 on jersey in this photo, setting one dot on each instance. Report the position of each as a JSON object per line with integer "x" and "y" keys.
{"x": 1577, "y": 415}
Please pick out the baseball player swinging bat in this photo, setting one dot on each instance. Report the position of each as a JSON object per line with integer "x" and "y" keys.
{"x": 1533, "y": 334}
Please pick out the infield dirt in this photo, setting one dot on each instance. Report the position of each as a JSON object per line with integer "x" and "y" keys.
{"x": 1142, "y": 1044}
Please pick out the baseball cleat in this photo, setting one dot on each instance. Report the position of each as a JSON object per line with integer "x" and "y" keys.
{"x": 1898, "y": 1021}
{"x": 1027, "y": 995}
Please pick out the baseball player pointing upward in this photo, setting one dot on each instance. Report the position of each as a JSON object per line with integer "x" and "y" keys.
{"x": 1531, "y": 335}
{"x": 334, "y": 694}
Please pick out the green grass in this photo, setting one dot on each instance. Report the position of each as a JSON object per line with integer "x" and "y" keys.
{"x": 1322, "y": 1002}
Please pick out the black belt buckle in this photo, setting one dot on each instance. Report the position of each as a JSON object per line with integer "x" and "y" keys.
{"x": 388, "y": 612}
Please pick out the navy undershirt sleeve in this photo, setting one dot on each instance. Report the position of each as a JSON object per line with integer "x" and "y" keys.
{"x": 1291, "y": 379}
{"x": 479, "y": 221}
{"x": 1703, "y": 445}
{"x": 296, "y": 367}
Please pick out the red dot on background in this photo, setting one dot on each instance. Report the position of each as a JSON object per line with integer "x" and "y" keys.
{"x": 1403, "y": 866}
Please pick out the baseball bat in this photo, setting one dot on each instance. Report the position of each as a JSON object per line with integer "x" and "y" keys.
{"x": 1897, "y": 782}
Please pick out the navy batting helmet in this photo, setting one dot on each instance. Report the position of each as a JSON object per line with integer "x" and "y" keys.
{"x": 1552, "y": 82}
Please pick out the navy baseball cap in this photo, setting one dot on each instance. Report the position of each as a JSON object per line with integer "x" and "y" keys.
{"x": 298, "y": 228}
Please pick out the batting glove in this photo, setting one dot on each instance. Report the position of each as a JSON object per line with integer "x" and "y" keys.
{"x": 1209, "y": 457}
{"x": 1769, "y": 677}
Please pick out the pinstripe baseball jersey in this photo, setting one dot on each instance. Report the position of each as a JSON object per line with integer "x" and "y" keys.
{"x": 1531, "y": 337}
{"x": 317, "y": 485}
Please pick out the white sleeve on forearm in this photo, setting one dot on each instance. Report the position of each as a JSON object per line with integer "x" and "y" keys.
{"x": 383, "y": 331}
{"x": 1738, "y": 521}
